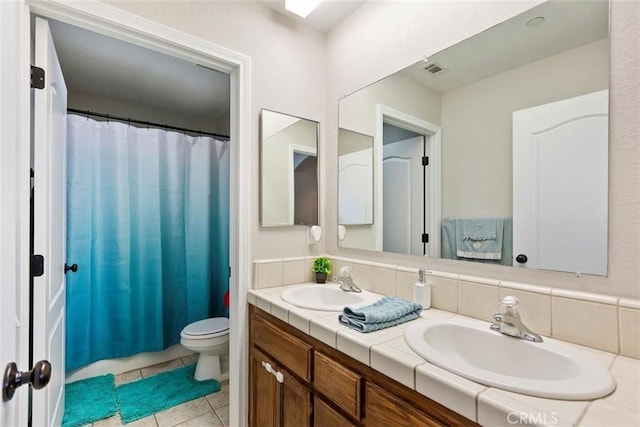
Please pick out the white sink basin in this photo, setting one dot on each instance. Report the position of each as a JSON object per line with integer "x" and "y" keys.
{"x": 548, "y": 369}
{"x": 326, "y": 297}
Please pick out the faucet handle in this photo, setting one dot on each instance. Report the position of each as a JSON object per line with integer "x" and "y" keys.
{"x": 345, "y": 271}
{"x": 510, "y": 302}
{"x": 509, "y": 305}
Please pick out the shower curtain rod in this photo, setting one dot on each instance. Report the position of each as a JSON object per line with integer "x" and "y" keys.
{"x": 143, "y": 122}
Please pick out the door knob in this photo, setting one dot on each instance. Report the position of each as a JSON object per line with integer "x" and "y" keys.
{"x": 73, "y": 268}
{"x": 521, "y": 258}
{"x": 38, "y": 377}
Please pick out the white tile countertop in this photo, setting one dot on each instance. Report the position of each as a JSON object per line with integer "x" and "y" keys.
{"x": 386, "y": 351}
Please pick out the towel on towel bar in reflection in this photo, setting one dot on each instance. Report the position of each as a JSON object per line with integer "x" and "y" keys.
{"x": 479, "y": 238}
{"x": 384, "y": 313}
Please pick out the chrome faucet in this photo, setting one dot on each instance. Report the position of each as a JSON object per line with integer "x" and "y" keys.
{"x": 346, "y": 281}
{"x": 509, "y": 323}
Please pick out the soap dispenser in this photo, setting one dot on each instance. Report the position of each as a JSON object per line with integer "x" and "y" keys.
{"x": 422, "y": 290}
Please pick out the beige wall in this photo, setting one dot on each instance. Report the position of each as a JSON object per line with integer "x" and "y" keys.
{"x": 477, "y": 118}
{"x": 370, "y": 45}
{"x": 295, "y": 71}
{"x": 358, "y": 110}
{"x": 288, "y": 64}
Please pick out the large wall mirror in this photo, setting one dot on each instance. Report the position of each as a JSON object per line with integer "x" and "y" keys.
{"x": 494, "y": 150}
{"x": 288, "y": 170}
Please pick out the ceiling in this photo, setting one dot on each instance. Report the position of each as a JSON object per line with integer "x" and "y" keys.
{"x": 514, "y": 43}
{"x": 323, "y": 18}
{"x": 103, "y": 66}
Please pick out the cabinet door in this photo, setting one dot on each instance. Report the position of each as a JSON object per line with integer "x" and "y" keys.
{"x": 289, "y": 351}
{"x": 296, "y": 402}
{"x": 386, "y": 410}
{"x": 264, "y": 392}
{"x": 340, "y": 384}
{"x": 325, "y": 416}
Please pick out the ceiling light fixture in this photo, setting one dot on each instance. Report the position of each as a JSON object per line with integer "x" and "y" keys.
{"x": 301, "y": 7}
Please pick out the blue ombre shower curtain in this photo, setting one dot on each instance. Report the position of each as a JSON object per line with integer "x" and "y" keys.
{"x": 148, "y": 226}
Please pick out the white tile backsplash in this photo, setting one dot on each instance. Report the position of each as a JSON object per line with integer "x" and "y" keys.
{"x": 293, "y": 272}
{"x": 629, "y": 332}
{"x": 384, "y": 280}
{"x": 598, "y": 321}
{"x": 362, "y": 274}
{"x": 585, "y": 322}
{"x": 477, "y": 300}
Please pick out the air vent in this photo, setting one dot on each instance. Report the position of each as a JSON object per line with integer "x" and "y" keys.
{"x": 434, "y": 68}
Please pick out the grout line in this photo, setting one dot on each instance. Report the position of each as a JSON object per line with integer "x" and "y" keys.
{"x": 218, "y": 417}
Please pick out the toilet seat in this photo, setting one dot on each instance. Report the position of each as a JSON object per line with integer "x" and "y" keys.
{"x": 207, "y": 328}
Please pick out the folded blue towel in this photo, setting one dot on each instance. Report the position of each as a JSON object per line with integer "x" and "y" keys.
{"x": 384, "y": 313}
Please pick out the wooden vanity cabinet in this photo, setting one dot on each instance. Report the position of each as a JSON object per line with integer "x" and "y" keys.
{"x": 342, "y": 385}
{"x": 279, "y": 375}
{"x": 277, "y": 398}
{"x": 325, "y": 415}
{"x": 296, "y": 380}
{"x": 385, "y": 409}
{"x": 264, "y": 391}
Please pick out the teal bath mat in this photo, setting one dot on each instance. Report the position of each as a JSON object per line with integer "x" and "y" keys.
{"x": 145, "y": 397}
{"x": 89, "y": 400}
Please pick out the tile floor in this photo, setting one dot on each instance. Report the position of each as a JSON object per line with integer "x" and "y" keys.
{"x": 211, "y": 410}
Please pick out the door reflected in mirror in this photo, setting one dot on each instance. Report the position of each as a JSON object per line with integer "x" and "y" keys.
{"x": 498, "y": 187}
{"x": 288, "y": 170}
{"x": 355, "y": 178}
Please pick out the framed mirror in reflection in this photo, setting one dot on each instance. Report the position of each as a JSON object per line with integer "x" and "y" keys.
{"x": 494, "y": 150}
{"x": 288, "y": 170}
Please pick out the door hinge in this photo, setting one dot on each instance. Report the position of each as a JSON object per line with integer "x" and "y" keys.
{"x": 425, "y": 160}
{"x": 425, "y": 238}
{"x": 37, "y": 265}
{"x": 229, "y": 272}
{"x": 37, "y": 77}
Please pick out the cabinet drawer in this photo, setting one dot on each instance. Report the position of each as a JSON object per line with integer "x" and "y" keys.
{"x": 325, "y": 416}
{"x": 340, "y": 384}
{"x": 288, "y": 350}
{"x": 385, "y": 409}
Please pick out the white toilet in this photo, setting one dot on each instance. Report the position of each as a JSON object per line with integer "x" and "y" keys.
{"x": 210, "y": 338}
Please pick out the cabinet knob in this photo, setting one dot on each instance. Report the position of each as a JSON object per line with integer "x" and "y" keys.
{"x": 279, "y": 377}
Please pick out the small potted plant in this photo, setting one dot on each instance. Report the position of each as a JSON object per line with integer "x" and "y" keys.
{"x": 322, "y": 268}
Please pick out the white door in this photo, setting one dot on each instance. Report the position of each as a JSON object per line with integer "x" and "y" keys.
{"x": 355, "y": 187}
{"x": 560, "y": 170}
{"x": 50, "y": 110}
{"x": 403, "y": 195}
{"x": 14, "y": 216}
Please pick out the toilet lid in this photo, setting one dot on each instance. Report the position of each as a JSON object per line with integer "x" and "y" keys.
{"x": 207, "y": 326}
